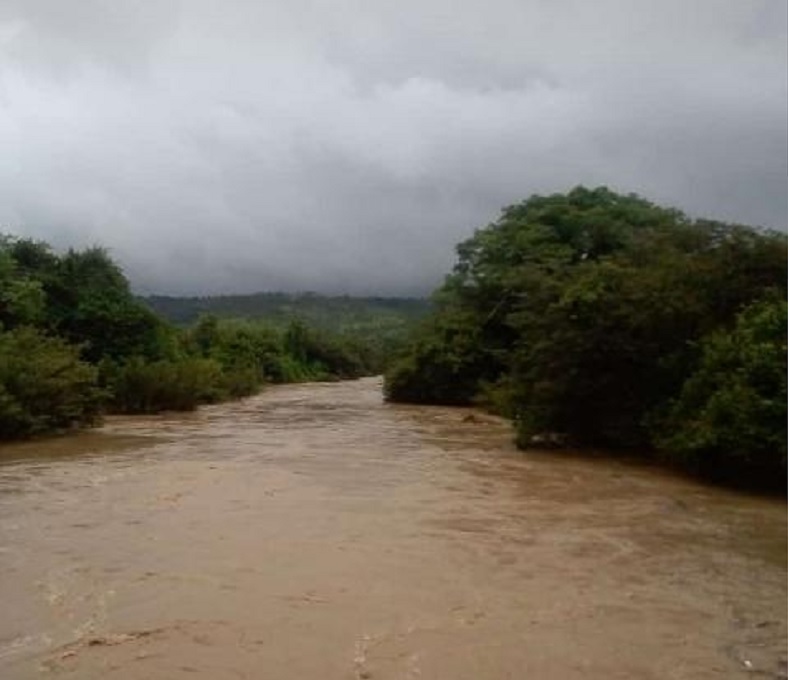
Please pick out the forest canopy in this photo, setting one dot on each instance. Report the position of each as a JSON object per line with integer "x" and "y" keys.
{"x": 600, "y": 319}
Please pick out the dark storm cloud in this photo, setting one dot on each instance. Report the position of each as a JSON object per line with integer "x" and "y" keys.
{"x": 346, "y": 146}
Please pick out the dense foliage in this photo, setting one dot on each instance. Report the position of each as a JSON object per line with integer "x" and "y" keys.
{"x": 601, "y": 319}
{"x": 75, "y": 342}
{"x": 730, "y": 415}
{"x": 43, "y": 385}
{"x": 322, "y": 311}
{"x": 375, "y": 326}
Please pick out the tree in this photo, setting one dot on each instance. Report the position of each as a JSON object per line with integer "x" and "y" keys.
{"x": 21, "y": 298}
{"x": 730, "y": 416}
{"x": 44, "y": 386}
{"x": 582, "y": 314}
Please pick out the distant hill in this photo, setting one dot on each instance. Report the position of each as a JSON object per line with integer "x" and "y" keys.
{"x": 336, "y": 313}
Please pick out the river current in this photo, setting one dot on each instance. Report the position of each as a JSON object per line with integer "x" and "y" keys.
{"x": 315, "y": 532}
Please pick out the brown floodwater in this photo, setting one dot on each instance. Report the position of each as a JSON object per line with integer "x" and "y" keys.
{"x": 315, "y": 532}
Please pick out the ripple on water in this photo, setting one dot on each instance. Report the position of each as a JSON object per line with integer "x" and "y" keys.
{"x": 315, "y": 531}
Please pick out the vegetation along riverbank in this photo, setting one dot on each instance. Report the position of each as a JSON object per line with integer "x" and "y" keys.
{"x": 589, "y": 318}
{"x": 75, "y": 343}
{"x": 601, "y": 319}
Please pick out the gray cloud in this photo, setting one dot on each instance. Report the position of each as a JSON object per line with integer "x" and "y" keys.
{"x": 348, "y": 145}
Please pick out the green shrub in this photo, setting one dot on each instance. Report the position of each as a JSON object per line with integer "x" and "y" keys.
{"x": 44, "y": 387}
{"x": 730, "y": 417}
{"x": 291, "y": 370}
{"x": 445, "y": 364}
{"x": 139, "y": 386}
{"x": 241, "y": 381}
{"x": 322, "y": 353}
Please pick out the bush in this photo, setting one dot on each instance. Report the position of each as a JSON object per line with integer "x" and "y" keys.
{"x": 291, "y": 370}
{"x": 44, "y": 387}
{"x": 139, "y": 386}
{"x": 444, "y": 365}
{"x": 730, "y": 417}
{"x": 241, "y": 381}
{"x": 321, "y": 353}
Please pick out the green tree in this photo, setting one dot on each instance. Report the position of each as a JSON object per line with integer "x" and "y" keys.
{"x": 21, "y": 298}
{"x": 730, "y": 416}
{"x": 91, "y": 304}
{"x": 581, "y": 315}
{"x": 44, "y": 386}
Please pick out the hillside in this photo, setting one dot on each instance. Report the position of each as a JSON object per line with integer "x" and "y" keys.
{"x": 336, "y": 313}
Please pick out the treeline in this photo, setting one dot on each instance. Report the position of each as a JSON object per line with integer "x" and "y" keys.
{"x": 597, "y": 319}
{"x": 331, "y": 312}
{"x": 379, "y": 325}
{"x": 75, "y": 343}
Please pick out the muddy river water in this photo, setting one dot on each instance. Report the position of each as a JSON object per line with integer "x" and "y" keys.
{"x": 316, "y": 532}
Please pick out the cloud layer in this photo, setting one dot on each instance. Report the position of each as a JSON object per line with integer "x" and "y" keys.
{"x": 346, "y": 146}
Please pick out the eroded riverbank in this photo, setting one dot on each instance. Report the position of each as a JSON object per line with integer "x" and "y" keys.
{"x": 315, "y": 532}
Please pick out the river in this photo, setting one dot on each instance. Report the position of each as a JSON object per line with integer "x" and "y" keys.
{"x": 315, "y": 532}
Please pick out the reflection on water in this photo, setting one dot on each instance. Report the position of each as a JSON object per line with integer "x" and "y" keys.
{"x": 315, "y": 532}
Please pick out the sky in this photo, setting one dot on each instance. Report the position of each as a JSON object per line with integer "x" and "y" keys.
{"x": 346, "y": 146}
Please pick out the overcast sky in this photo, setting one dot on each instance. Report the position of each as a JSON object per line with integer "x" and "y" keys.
{"x": 347, "y": 145}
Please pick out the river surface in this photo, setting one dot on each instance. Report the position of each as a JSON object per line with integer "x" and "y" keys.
{"x": 315, "y": 532}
